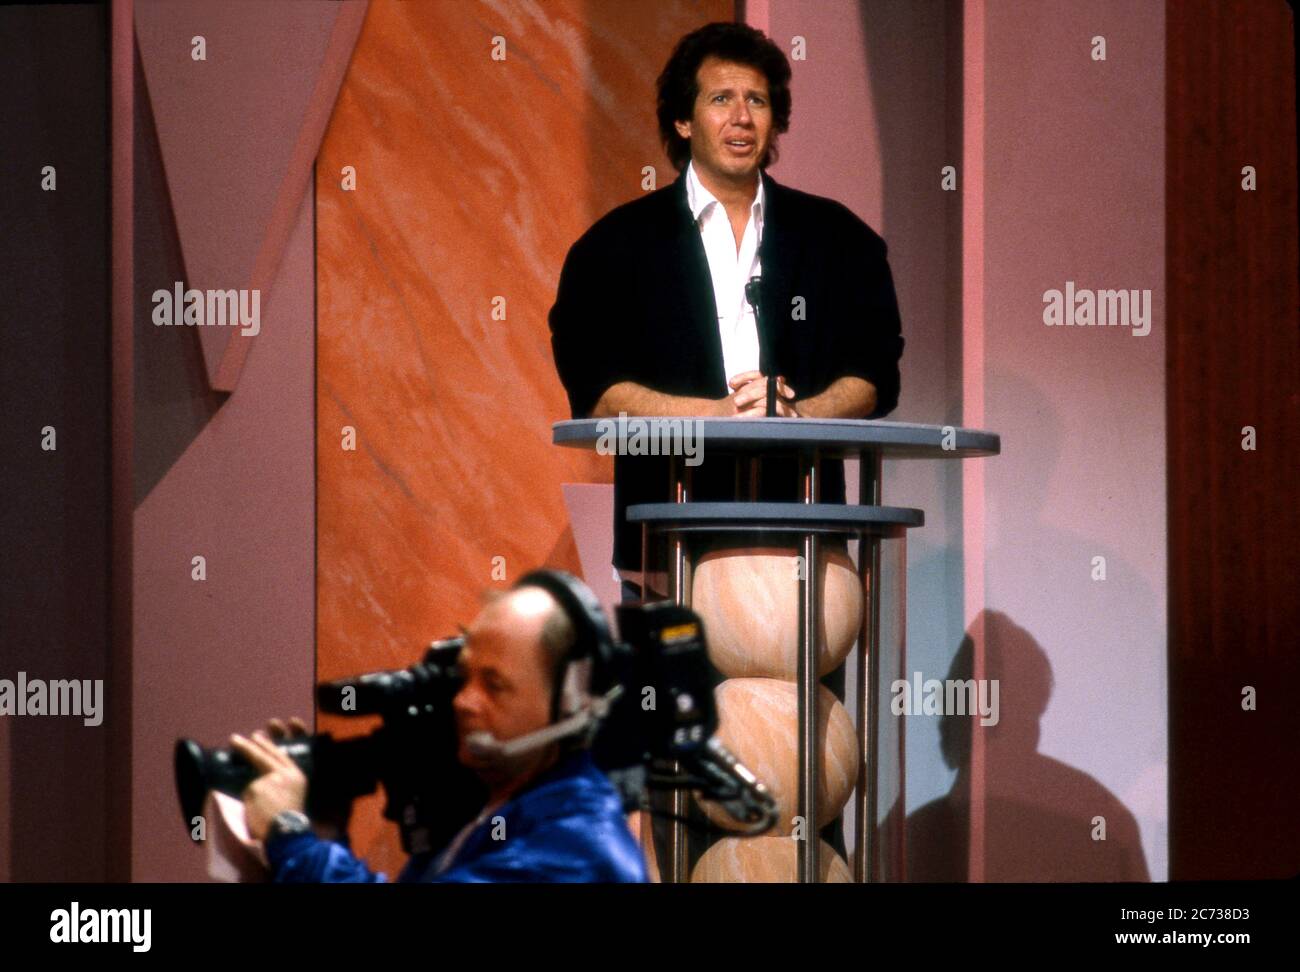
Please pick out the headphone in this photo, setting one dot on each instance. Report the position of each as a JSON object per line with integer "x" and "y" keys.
{"x": 593, "y": 650}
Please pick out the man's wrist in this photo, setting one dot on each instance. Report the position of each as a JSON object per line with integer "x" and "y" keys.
{"x": 631, "y": 398}
{"x": 846, "y": 397}
{"x": 288, "y": 823}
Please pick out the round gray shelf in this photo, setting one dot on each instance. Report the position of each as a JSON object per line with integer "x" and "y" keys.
{"x": 840, "y": 438}
{"x": 776, "y": 517}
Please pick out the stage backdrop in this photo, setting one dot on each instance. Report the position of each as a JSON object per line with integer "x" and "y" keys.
{"x": 1055, "y": 139}
{"x": 473, "y": 175}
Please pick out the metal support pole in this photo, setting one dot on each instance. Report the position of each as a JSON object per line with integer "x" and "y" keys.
{"x": 810, "y": 846}
{"x": 678, "y": 581}
{"x": 867, "y": 684}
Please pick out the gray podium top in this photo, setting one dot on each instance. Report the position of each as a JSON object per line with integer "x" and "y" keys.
{"x": 842, "y": 438}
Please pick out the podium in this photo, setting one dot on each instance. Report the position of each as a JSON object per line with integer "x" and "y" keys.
{"x": 784, "y": 607}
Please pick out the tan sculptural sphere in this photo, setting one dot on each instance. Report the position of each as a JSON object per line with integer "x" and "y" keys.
{"x": 758, "y": 722}
{"x": 749, "y": 600}
{"x": 638, "y": 821}
{"x": 767, "y": 860}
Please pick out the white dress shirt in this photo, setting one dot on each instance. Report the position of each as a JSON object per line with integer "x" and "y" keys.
{"x": 730, "y": 271}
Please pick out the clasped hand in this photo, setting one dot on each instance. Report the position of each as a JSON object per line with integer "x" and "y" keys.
{"x": 748, "y": 398}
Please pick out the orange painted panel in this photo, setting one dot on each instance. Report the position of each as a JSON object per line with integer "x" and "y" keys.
{"x": 473, "y": 176}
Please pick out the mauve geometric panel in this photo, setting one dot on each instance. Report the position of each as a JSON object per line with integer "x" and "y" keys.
{"x": 238, "y": 130}
{"x": 225, "y": 654}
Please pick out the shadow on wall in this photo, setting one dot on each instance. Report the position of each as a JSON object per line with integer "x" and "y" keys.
{"x": 1045, "y": 495}
{"x": 1041, "y": 814}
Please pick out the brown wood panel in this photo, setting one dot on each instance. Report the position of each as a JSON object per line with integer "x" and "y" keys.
{"x": 57, "y": 784}
{"x": 1233, "y": 344}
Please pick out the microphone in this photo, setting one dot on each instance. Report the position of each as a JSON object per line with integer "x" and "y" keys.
{"x": 753, "y": 295}
{"x": 484, "y": 745}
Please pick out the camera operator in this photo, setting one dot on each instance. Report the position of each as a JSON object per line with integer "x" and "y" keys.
{"x": 551, "y": 814}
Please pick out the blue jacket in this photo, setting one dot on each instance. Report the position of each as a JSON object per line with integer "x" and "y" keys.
{"x": 568, "y": 825}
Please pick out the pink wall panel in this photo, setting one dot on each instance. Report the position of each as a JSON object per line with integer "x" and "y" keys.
{"x": 1060, "y": 177}
{"x": 1073, "y": 190}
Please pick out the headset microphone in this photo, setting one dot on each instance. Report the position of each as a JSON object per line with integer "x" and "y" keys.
{"x": 485, "y": 746}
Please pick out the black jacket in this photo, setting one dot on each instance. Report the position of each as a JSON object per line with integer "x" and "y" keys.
{"x": 635, "y": 303}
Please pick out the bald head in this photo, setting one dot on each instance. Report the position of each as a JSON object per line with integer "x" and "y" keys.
{"x": 535, "y": 614}
{"x": 509, "y": 663}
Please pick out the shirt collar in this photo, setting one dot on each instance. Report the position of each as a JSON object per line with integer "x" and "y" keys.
{"x": 699, "y": 198}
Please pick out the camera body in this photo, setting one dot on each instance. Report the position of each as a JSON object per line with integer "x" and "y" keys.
{"x": 429, "y": 794}
{"x": 664, "y": 712}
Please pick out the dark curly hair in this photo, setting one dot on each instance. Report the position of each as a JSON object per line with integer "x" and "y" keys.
{"x": 728, "y": 41}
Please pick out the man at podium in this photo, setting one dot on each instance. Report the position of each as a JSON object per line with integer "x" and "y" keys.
{"x": 654, "y": 310}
